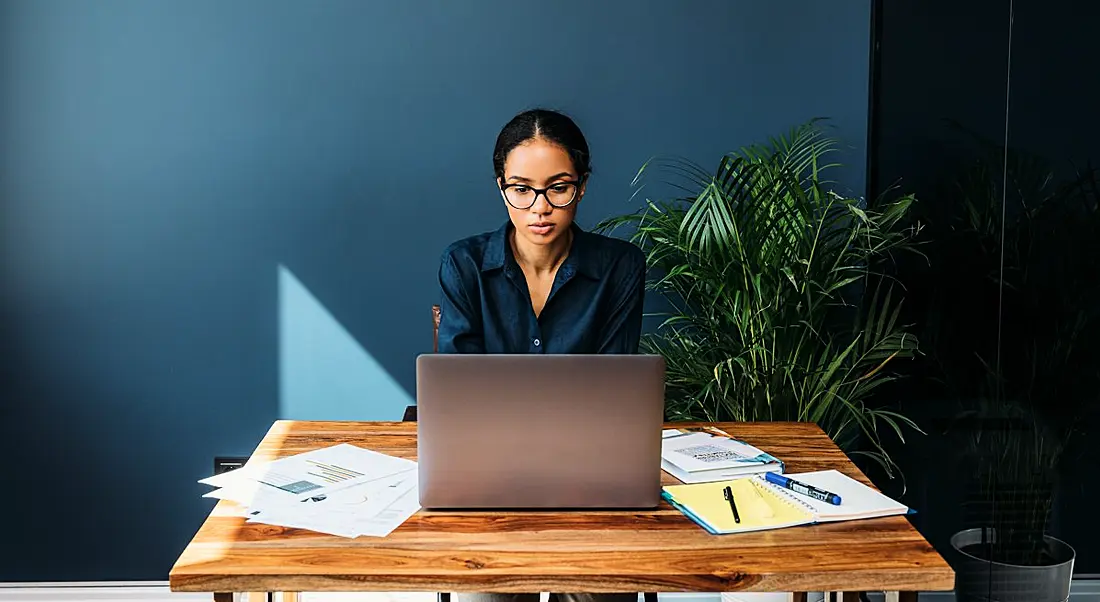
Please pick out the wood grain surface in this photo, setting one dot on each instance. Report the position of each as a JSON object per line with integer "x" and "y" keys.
{"x": 656, "y": 550}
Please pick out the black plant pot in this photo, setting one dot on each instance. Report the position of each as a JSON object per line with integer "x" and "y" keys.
{"x": 980, "y": 580}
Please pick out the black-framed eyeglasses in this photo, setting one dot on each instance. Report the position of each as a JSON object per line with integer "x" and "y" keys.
{"x": 523, "y": 196}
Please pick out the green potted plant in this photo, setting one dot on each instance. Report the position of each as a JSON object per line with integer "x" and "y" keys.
{"x": 1009, "y": 557}
{"x": 779, "y": 309}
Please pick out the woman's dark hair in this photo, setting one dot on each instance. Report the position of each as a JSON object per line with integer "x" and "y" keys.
{"x": 548, "y": 125}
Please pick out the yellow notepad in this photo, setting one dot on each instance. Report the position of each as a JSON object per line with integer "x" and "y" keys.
{"x": 763, "y": 505}
{"x": 758, "y": 505}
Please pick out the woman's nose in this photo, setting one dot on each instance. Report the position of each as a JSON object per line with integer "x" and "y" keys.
{"x": 542, "y": 206}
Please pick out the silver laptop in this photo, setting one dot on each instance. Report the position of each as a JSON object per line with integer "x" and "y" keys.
{"x": 539, "y": 431}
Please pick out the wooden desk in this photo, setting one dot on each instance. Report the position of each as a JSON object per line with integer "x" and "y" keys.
{"x": 599, "y": 551}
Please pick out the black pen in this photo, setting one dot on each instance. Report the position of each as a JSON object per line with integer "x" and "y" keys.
{"x": 733, "y": 506}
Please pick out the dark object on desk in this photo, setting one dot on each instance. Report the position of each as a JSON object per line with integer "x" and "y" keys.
{"x": 410, "y": 411}
{"x": 227, "y": 463}
{"x": 733, "y": 505}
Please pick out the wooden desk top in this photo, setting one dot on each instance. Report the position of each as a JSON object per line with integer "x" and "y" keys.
{"x": 587, "y": 551}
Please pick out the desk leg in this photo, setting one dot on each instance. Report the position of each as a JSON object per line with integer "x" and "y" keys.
{"x": 798, "y": 597}
{"x": 223, "y": 597}
{"x": 901, "y": 596}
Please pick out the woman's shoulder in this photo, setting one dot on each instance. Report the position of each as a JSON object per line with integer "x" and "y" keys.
{"x": 612, "y": 244}
{"x": 471, "y": 248}
{"x": 611, "y": 253}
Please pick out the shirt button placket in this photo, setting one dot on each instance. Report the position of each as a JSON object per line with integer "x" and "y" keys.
{"x": 536, "y": 335}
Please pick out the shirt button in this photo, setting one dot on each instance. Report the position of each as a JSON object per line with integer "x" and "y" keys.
{"x": 537, "y": 342}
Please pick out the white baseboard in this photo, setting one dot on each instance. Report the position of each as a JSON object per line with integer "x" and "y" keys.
{"x": 1082, "y": 590}
{"x": 764, "y": 597}
{"x": 96, "y": 591}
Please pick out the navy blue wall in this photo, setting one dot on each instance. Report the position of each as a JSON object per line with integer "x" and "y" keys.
{"x": 179, "y": 179}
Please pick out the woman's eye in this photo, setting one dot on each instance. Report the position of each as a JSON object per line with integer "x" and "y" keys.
{"x": 521, "y": 189}
{"x": 559, "y": 187}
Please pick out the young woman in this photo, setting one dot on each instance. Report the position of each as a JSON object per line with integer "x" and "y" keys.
{"x": 540, "y": 284}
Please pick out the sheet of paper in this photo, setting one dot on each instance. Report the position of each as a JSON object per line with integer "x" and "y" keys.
{"x": 342, "y": 490}
{"x": 238, "y": 475}
{"x": 701, "y": 451}
{"x": 370, "y": 498}
{"x": 392, "y": 517}
{"x": 239, "y": 492}
{"x": 321, "y": 471}
{"x": 254, "y": 494}
{"x": 388, "y": 508}
{"x": 236, "y": 512}
{"x": 366, "y": 499}
{"x": 314, "y": 473}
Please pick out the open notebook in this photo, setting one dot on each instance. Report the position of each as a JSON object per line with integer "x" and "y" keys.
{"x": 763, "y": 505}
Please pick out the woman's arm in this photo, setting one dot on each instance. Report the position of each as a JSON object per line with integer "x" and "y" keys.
{"x": 623, "y": 330}
{"x": 460, "y": 329}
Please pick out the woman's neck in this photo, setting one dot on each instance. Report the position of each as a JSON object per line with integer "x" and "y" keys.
{"x": 541, "y": 259}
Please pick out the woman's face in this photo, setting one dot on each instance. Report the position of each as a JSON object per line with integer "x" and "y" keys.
{"x": 531, "y": 167}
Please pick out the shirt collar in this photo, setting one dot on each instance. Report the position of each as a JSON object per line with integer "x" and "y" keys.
{"x": 581, "y": 258}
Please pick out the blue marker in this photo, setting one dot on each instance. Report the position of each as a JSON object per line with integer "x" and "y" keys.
{"x": 804, "y": 489}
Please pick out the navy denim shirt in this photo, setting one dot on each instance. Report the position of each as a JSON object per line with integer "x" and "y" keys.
{"x": 595, "y": 304}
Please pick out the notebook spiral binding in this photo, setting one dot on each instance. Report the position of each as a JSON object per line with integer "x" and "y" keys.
{"x": 784, "y": 494}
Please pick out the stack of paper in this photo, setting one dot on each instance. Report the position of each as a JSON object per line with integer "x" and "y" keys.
{"x": 341, "y": 490}
{"x": 709, "y": 454}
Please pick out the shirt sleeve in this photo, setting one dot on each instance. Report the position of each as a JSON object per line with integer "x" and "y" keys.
{"x": 623, "y": 329}
{"x": 460, "y": 329}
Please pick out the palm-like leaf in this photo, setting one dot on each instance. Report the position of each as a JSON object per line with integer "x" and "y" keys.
{"x": 757, "y": 261}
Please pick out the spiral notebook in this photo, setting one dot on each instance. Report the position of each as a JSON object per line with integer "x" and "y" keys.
{"x": 762, "y": 505}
